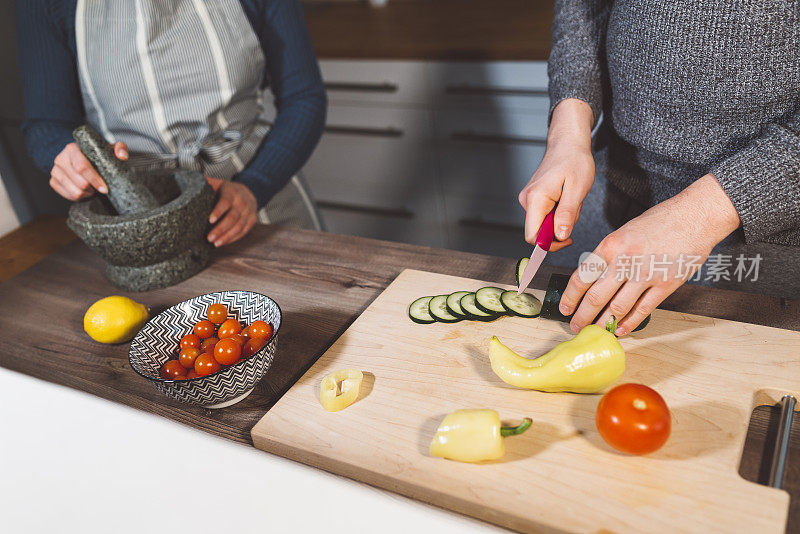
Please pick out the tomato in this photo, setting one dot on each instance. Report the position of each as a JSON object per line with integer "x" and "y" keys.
{"x": 208, "y": 344}
{"x": 171, "y": 369}
{"x": 229, "y": 328}
{"x": 191, "y": 373}
{"x": 190, "y": 340}
{"x": 205, "y": 364}
{"x": 260, "y": 330}
{"x": 227, "y": 351}
{"x": 633, "y": 418}
{"x": 180, "y": 377}
{"x": 252, "y": 346}
{"x": 245, "y": 332}
{"x": 204, "y": 329}
{"x": 187, "y": 357}
{"x": 239, "y": 338}
{"x": 217, "y": 313}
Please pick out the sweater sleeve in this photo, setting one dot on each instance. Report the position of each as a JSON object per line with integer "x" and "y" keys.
{"x": 576, "y": 65}
{"x": 763, "y": 180}
{"x": 52, "y": 96}
{"x": 299, "y": 98}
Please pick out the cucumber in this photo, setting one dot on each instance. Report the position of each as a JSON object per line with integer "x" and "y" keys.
{"x": 438, "y": 310}
{"x": 454, "y": 304}
{"x": 473, "y": 312}
{"x": 523, "y": 305}
{"x": 419, "y": 311}
{"x": 487, "y": 299}
{"x": 521, "y": 264}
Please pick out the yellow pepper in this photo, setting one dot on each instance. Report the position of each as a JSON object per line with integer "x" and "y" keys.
{"x": 587, "y": 363}
{"x": 473, "y": 436}
{"x": 340, "y": 389}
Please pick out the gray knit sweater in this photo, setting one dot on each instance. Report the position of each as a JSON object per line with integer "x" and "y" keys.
{"x": 691, "y": 87}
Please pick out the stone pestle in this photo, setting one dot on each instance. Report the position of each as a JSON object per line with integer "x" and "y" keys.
{"x": 127, "y": 195}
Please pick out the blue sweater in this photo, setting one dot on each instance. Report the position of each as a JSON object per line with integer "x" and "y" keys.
{"x": 54, "y": 107}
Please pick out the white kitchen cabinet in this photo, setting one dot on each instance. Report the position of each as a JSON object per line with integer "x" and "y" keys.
{"x": 430, "y": 153}
{"x": 376, "y": 82}
{"x": 8, "y": 219}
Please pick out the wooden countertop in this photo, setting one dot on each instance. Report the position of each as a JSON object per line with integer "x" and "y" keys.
{"x": 432, "y": 29}
{"x": 323, "y": 282}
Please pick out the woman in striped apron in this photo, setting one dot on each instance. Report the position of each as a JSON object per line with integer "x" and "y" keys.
{"x": 176, "y": 84}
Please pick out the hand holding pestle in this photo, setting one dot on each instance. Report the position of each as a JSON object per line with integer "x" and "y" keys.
{"x": 126, "y": 194}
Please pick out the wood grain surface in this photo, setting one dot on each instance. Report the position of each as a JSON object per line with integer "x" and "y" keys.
{"x": 32, "y": 242}
{"x": 703, "y": 367}
{"x": 432, "y": 29}
{"x": 323, "y": 281}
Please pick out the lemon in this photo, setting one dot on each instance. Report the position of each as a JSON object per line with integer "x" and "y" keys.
{"x": 114, "y": 319}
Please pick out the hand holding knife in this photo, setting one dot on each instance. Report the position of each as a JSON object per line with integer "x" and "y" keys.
{"x": 543, "y": 241}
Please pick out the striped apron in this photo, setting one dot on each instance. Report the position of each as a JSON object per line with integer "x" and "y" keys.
{"x": 179, "y": 81}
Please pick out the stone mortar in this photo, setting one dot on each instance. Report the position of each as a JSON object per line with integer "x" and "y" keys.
{"x": 155, "y": 247}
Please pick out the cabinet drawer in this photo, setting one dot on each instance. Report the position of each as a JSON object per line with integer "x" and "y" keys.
{"x": 377, "y": 157}
{"x": 384, "y": 226}
{"x": 375, "y": 82}
{"x": 511, "y": 84}
{"x": 473, "y": 211}
{"x": 482, "y": 225}
{"x": 488, "y": 153}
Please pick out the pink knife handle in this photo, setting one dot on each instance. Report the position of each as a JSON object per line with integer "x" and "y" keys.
{"x": 546, "y": 232}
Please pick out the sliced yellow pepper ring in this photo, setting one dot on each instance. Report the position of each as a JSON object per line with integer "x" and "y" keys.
{"x": 340, "y": 389}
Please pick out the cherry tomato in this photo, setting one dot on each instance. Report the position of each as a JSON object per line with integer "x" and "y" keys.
{"x": 227, "y": 351}
{"x": 205, "y": 364}
{"x": 633, "y": 418}
{"x": 260, "y": 330}
{"x": 190, "y": 340}
{"x": 208, "y": 344}
{"x": 187, "y": 357}
{"x": 171, "y": 369}
{"x": 252, "y": 346}
{"x": 245, "y": 332}
{"x": 217, "y": 313}
{"x": 239, "y": 338}
{"x": 229, "y": 328}
{"x": 180, "y": 377}
{"x": 191, "y": 373}
{"x": 204, "y": 329}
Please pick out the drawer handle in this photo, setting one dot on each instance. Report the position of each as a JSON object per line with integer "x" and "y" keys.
{"x": 384, "y": 87}
{"x": 477, "y": 222}
{"x": 358, "y": 130}
{"x": 474, "y": 137}
{"x": 401, "y": 213}
{"x": 477, "y": 90}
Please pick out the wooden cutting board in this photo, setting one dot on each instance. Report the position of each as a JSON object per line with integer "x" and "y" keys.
{"x": 560, "y": 475}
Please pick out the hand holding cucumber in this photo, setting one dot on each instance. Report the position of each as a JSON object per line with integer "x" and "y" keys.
{"x": 687, "y": 225}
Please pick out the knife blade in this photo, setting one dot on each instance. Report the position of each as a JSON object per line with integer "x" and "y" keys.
{"x": 543, "y": 241}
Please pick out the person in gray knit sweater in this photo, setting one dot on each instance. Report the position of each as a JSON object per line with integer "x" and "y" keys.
{"x": 697, "y": 151}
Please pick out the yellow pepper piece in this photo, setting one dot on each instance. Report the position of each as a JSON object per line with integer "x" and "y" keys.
{"x": 340, "y": 389}
{"x": 473, "y": 436}
{"x": 587, "y": 363}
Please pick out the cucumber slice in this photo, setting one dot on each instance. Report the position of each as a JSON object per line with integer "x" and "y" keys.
{"x": 438, "y": 309}
{"x": 419, "y": 311}
{"x": 473, "y": 312}
{"x": 523, "y": 305}
{"x": 488, "y": 300}
{"x": 454, "y": 304}
{"x": 521, "y": 264}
